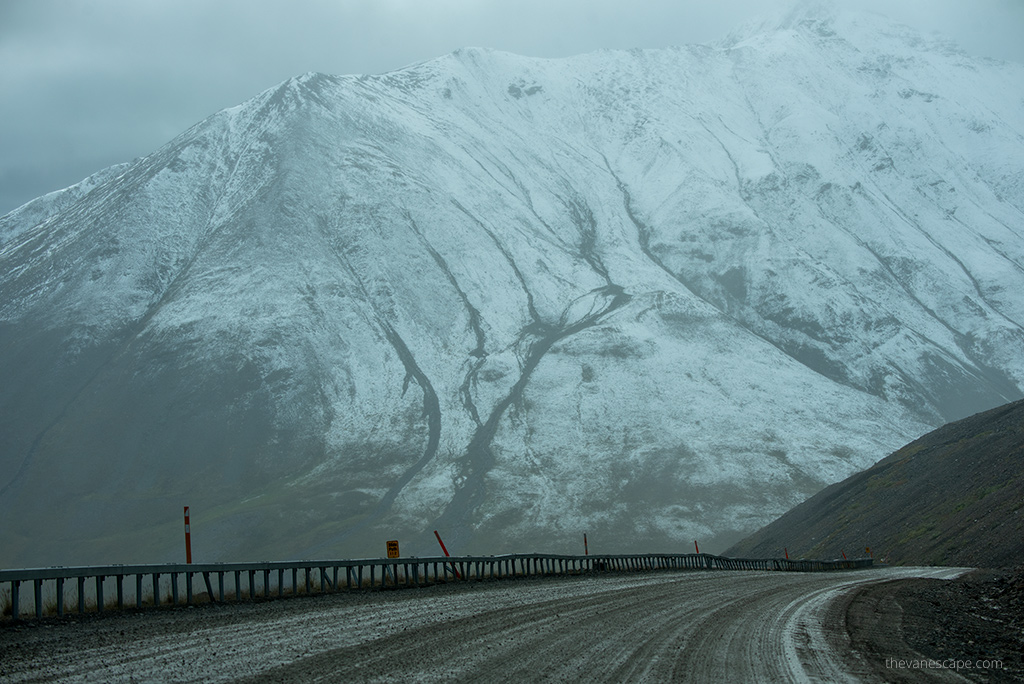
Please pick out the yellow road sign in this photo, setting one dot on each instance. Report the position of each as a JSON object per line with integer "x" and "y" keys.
{"x": 393, "y": 549}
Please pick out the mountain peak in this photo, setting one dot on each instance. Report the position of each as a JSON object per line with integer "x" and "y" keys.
{"x": 807, "y": 11}
{"x": 820, "y": 19}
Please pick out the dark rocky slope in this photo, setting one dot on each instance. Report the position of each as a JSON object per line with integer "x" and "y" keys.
{"x": 952, "y": 497}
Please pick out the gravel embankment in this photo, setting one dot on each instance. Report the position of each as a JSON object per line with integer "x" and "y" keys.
{"x": 967, "y": 623}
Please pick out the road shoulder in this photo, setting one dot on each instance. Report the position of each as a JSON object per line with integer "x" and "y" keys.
{"x": 967, "y": 623}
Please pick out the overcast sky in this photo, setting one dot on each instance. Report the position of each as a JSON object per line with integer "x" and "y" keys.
{"x": 89, "y": 83}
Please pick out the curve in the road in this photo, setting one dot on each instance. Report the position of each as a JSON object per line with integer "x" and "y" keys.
{"x": 687, "y": 626}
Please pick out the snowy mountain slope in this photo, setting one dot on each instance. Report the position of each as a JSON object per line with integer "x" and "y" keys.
{"x": 651, "y": 295}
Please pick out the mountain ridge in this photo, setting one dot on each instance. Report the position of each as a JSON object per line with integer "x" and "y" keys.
{"x": 488, "y": 291}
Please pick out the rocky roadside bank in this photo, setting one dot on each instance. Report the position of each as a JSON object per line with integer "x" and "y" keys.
{"x": 973, "y": 620}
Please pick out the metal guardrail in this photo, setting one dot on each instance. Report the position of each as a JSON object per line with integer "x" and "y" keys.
{"x": 336, "y": 575}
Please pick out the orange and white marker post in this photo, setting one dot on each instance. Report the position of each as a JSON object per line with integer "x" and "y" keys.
{"x": 188, "y": 539}
{"x": 445, "y": 549}
{"x": 697, "y": 548}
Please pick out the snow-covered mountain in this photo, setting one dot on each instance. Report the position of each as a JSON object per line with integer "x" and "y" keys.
{"x": 654, "y": 296}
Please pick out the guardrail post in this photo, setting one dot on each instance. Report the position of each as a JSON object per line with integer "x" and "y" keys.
{"x": 220, "y": 586}
{"x": 99, "y": 593}
{"x": 38, "y": 586}
{"x": 60, "y": 597}
{"x": 174, "y": 588}
{"x": 15, "y": 598}
{"x": 209, "y": 587}
{"x": 266, "y": 582}
{"x": 156, "y": 589}
{"x": 188, "y": 588}
{"x": 81, "y": 595}
{"x": 252, "y": 584}
{"x": 120, "y": 592}
{"x": 280, "y": 581}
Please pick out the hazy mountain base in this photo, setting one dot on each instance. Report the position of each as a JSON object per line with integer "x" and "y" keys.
{"x": 617, "y": 479}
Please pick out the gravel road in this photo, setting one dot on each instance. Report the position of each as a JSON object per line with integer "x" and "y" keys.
{"x": 666, "y": 626}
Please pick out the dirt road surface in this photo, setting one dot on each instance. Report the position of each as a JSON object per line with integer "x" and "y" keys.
{"x": 657, "y": 627}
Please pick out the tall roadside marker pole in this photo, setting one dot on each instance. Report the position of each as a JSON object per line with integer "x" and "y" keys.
{"x": 586, "y": 551}
{"x": 188, "y": 539}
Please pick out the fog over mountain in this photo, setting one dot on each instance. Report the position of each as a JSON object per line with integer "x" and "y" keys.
{"x": 654, "y": 296}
